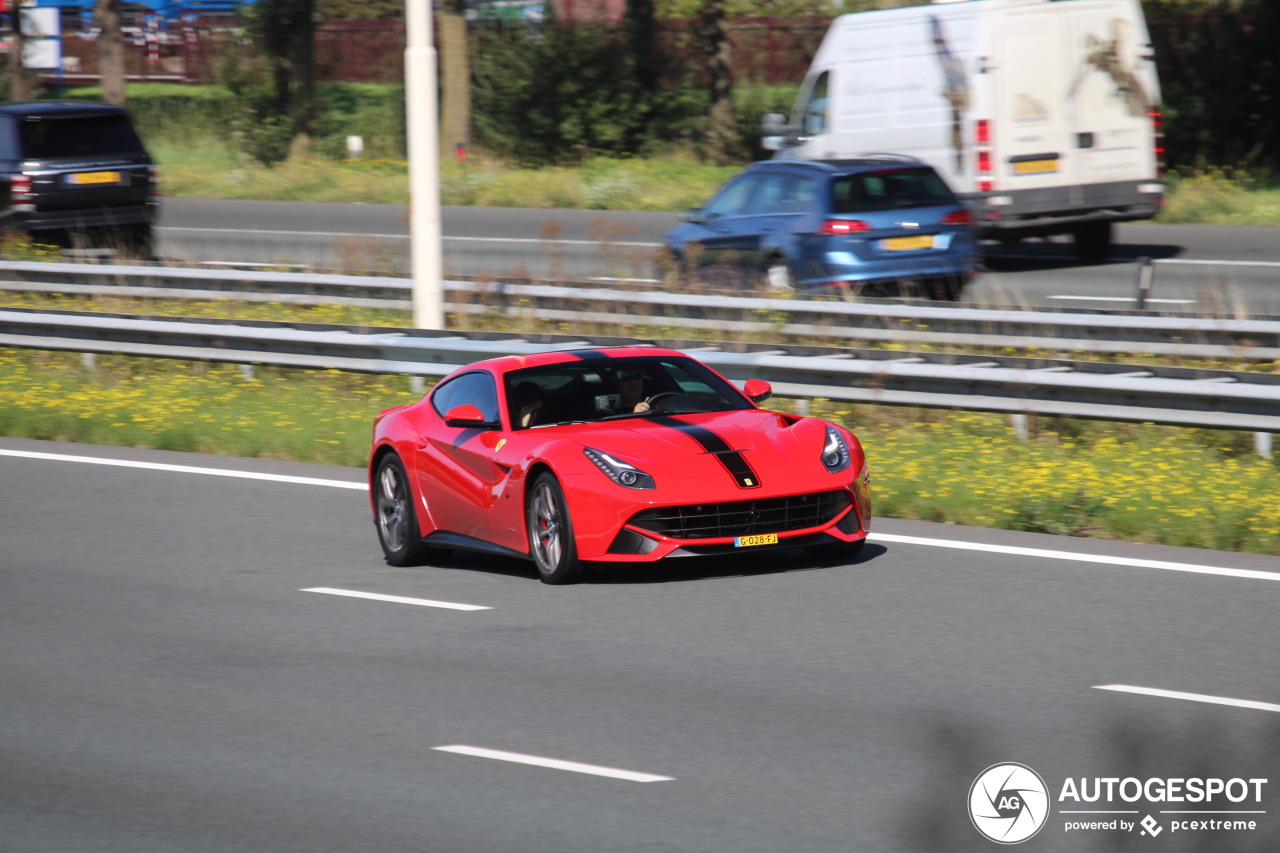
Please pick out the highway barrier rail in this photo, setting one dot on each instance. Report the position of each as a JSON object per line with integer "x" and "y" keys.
{"x": 717, "y": 315}
{"x": 1020, "y": 386}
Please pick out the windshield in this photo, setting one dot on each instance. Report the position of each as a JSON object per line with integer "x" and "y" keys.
{"x": 77, "y": 136}
{"x": 888, "y": 189}
{"x": 605, "y": 389}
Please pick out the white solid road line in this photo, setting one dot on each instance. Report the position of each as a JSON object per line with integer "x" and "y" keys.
{"x": 395, "y": 599}
{"x": 554, "y": 763}
{"x": 186, "y": 469}
{"x": 1190, "y": 697}
{"x": 1075, "y": 557}
{"x": 874, "y": 537}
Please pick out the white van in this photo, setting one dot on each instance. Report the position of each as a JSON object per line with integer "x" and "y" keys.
{"x": 1042, "y": 114}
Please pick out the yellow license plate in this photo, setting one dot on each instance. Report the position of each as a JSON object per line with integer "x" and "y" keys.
{"x": 1035, "y": 167}
{"x": 94, "y": 178}
{"x": 758, "y": 539}
{"x": 904, "y": 244}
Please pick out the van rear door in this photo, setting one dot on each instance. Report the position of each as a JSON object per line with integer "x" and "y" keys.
{"x": 1034, "y": 150}
{"x": 1111, "y": 96}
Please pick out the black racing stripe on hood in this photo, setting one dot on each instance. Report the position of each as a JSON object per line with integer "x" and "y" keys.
{"x": 587, "y": 354}
{"x": 732, "y": 460}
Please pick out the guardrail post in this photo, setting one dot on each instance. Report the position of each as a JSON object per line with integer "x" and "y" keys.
{"x": 1262, "y": 444}
{"x": 417, "y": 384}
{"x": 1019, "y": 422}
{"x": 1146, "y": 271}
{"x": 89, "y": 361}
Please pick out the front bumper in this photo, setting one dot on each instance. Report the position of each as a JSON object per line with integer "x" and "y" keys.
{"x": 627, "y": 532}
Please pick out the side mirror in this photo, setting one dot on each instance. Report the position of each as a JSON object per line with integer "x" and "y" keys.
{"x": 694, "y": 215}
{"x": 773, "y": 132}
{"x": 757, "y": 390}
{"x": 464, "y": 416}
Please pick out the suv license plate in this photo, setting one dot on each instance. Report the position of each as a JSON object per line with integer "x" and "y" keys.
{"x": 80, "y": 178}
{"x": 758, "y": 539}
{"x": 906, "y": 244}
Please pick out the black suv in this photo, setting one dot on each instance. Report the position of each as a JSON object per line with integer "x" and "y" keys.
{"x": 76, "y": 174}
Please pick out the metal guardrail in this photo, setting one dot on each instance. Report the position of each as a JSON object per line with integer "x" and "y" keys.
{"x": 1192, "y": 337}
{"x": 1173, "y": 396}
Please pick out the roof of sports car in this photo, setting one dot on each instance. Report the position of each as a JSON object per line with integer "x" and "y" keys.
{"x": 507, "y": 363}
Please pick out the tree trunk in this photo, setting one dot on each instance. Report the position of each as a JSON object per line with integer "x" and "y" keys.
{"x": 714, "y": 43}
{"x": 455, "y": 82}
{"x": 640, "y": 19}
{"x": 17, "y": 74}
{"x": 304, "y": 77}
{"x": 106, "y": 13}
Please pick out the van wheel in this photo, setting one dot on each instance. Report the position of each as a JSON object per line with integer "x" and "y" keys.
{"x": 1093, "y": 241}
{"x": 777, "y": 275}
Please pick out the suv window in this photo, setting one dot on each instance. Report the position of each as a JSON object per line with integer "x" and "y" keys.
{"x": 477, "y": 388}
{"x": 735, "y": 199}
{"x": 889, "y": 188}
{"x": 76, "y": 136}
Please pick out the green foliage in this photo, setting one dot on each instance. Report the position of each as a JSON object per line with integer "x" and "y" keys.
{"x": 173, "y": 114}
{"x": 359, "y": 10}
{"x": 1220, "y": 78}
{"x": 780, "y": 8}
{"x": 374, "y": 111}
{"x": 564, "y": 93}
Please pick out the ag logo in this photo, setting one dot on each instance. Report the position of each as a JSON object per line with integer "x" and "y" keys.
{"x": 1008, "y": 803}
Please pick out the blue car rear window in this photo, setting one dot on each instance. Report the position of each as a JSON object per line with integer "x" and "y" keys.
{"x": 889, "y": 189}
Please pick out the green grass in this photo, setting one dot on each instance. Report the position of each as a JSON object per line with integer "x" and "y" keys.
{"x": 212, "y": 170}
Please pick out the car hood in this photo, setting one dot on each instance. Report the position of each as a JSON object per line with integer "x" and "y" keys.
{"x": 780, "y": 453}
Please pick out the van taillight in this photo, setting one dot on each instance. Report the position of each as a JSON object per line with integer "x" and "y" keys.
{"x": 1157, "y": 133}
{"x": 20, "y": 188}
{"x": 154, "y": 181}
{"x": 958, "y": 217}
{"x": 982, "y": 170}
{"x": 842, "y": 227}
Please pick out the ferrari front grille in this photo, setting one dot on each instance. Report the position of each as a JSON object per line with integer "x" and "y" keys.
{"x": 743, "y": 518}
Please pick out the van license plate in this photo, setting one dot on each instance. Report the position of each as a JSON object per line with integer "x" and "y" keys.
{"x": 906, "y": 244}
{"x": 1035, "y": 167}
{"x": 758, "y": 539}
{"x": 81, "y": 178}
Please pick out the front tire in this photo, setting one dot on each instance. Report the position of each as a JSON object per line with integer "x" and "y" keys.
{"x": 550, "y": 531}
{"x": 1093, "y": 241}
{"x": 394, "y": 515}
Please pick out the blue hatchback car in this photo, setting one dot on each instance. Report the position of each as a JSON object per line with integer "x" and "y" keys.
{"x": 872, "y": 223}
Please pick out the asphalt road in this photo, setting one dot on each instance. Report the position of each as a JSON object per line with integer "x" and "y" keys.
{"x": 1198, "y": 268}
{"x": 169, "y": 683}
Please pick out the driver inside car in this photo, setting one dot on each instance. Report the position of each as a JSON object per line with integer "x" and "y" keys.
{"x": 628, "y": 396}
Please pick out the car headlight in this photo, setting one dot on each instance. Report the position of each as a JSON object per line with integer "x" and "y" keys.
{"x": 835, "y": 452}
{"x": 622, "y": 473}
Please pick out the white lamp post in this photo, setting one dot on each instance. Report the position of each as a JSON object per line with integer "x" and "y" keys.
{"x": 424, "y": 167}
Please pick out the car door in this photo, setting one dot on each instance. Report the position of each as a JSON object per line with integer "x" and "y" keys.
{"x": 719, "y": 227}
{"x": 458, "y": 475}
{"x": 740, "y": 222}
